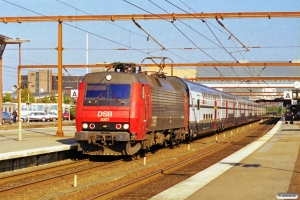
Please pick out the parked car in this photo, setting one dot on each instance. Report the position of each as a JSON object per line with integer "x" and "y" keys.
{"x": 37, "y": 116}
{"x": 6, "y": 118}
{"x": 65, "y": 116}
{"x": 23, "y": 119}
{"x": 51, "y": 116}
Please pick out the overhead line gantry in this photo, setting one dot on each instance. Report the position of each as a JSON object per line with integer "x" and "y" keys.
{"x": 173, "y": 17}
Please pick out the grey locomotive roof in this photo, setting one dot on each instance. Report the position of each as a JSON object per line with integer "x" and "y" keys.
{"x": 128, "y": 78}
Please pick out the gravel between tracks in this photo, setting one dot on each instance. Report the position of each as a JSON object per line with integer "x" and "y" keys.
{"x": 103, "y": 180}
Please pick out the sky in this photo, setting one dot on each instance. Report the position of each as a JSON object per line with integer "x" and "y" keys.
{"x": 186, "y": 41}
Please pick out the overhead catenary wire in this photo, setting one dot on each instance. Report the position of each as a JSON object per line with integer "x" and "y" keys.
{"x": 152, "y": 14}
{"x": 77, "y": 28}
{"x": 140, "y": 27}
{"x": 220, "y": 42}
{"x": 204, "y": 21}
{"x": 129, "y": 32}
{"x": 97, "y": 35}
{"x": 172, "y": 48}
{"x": 102, "y": 20}
{"x": 218, "y": 39}
{"x": 231, "y": 34}
{"x": 186, "y": 25}
{"x": 172, "y": 22}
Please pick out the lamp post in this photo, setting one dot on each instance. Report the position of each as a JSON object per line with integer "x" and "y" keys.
{"x": 28, "y": 100}
{"x": 28, "y": 104}
{"x": 19, "y": 41}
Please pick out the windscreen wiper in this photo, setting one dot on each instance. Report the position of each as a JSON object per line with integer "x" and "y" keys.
{"x": 100, "y": 95}
{"x": 117, "y": 100}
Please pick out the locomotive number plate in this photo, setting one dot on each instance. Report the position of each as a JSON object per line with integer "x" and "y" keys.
{"x": 104, "y": 119}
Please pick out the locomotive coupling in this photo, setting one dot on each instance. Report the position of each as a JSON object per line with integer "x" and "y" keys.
{"x": 132, "y": 137}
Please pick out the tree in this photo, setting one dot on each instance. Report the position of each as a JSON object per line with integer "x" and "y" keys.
{"x": 7, "y": 98}
{"x": 44, "y": 100}
{"x": 73, "y": 111}
{"x": 52, "y": 98}
{"x": 279, "y": 110}
{"x": 27, "y": 95}
{"x": 68, "y": 100}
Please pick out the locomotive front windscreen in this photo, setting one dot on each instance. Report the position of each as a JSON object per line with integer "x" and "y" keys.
{"x": 108, "y": 91}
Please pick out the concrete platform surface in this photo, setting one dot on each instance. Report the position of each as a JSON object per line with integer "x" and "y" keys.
{"x": 261, "y": 170}
{"x": 35, "y": 141}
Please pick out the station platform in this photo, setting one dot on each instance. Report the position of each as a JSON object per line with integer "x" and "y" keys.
{"x": 37, "y": 138}
{"x": 268, "y": 168}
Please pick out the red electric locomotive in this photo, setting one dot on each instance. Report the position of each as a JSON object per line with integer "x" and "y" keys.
{"x": 122, "y": 111}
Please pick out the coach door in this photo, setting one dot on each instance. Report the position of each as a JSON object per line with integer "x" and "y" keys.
{"x": 198, "y": 109}
{"x": 226, "y": 103}
{"x": 220, "y": 111}
{"x": 215, "y": 112}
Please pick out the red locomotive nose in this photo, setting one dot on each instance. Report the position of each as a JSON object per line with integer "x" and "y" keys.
{"x": 118, "y": 126}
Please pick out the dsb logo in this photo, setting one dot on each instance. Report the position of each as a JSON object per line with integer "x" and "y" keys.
{"x": 104, "y": 113}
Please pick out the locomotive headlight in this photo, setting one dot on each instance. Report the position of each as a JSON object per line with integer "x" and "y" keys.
{"x": 92, "y": 126}
{"x": 108, "y": 77}
{"x": 85, "y": 125}
{"x": 118, "y": 126}
{"x": 126, "y": 126}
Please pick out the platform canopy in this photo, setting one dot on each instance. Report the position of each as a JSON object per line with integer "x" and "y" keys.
{"x": 3, "y": 43}
{"x": 4, "y": 40}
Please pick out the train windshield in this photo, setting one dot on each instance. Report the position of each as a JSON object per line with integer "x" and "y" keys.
{"x": 111, "y": 91}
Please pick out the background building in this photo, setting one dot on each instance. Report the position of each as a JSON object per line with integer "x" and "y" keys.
{"x": 44, "y": 82}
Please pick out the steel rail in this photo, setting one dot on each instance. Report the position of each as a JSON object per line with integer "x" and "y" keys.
{"x": 56, "y": 176}
{"x": 131, "y": 184}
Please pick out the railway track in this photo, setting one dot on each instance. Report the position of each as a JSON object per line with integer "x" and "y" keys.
{"x": 151, "y": 184}
{"x": 19, "y": 181}
{"x": 106, "y": 179}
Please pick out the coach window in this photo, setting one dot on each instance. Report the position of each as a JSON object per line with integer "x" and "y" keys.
{"x": 53, "y": 107}
{"x": 23, "y": 108}
{"x": 40, "y": 108}
{"x": 198, "y": 104}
